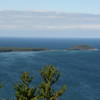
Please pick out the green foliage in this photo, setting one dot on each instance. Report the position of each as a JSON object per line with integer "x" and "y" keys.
{"x": 1, "y": 85}
{"x": 45, "y": 91}
{"x": 23, "y": 89}
{"x": 50, "y": 76}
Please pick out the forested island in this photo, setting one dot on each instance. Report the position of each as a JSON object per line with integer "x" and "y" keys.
{"x": 82, "y": 47}
{"x": 11, "y": 49}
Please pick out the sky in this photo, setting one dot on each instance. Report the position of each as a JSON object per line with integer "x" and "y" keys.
{"x": 50, "y": 18}
{"x": 75, "y": 6}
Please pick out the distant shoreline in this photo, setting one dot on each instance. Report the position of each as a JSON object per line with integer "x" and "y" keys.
{"x": 11, "y": 49}
{"x": 82, "y": 47}
{"x": 19, "y": 49}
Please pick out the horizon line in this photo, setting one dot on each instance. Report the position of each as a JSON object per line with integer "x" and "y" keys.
{"x": 54, "y": 37}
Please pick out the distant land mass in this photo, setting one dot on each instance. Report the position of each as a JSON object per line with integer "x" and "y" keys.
{"x": 10, "y": 49}
{"x": 82, "y": 47}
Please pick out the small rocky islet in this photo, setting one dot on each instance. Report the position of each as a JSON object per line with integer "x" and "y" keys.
{"x": 82, "y": 47}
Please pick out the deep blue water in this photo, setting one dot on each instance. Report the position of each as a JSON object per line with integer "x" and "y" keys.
{"x": 47, "y": 43}
{"x": 80, "y": 69}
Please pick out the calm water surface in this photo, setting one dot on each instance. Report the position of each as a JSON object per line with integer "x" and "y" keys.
{"x": 80, "y": 69}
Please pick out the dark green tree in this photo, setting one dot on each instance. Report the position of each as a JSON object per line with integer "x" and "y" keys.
{"x": 1, "y": 85}
{"x": 23, "y": 89}
{"x": 45, "y": 91}
{"x": 50, "y": 75}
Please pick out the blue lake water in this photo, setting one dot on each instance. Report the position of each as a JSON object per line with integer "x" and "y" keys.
{"x": 80, "y": 69}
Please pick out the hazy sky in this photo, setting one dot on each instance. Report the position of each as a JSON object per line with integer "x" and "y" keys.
{"x": 82, "y": 6}
{"x": 50, "y": 18}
